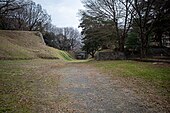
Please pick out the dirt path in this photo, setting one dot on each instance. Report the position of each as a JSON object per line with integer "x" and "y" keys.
{"x": 84, "y": 89}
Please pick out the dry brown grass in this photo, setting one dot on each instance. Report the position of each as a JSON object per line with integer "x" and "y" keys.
{"x": 24, "y": 45}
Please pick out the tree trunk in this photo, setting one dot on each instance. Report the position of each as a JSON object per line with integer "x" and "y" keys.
{"x": 122, "y": 43}
{"x": 160, "y": 39}
{"x": 144, "y": 45}
{"x": 92, "y": 54}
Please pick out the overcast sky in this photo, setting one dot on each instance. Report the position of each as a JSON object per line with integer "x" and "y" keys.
{"x": 63, "y": 12}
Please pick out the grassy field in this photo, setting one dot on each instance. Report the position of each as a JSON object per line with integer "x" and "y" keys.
{"x": 26, "y": 84}
{"x": 151, "y": 82}
{"x": 158, "y": 75}
{"x": 30, "y": 85}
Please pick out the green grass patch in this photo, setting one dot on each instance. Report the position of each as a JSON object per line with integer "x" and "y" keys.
{"x": 62, "y": 55}
{"x": 159, "y": 75}
{"x": 65, "y": 56}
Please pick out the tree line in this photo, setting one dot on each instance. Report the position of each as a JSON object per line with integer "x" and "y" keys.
{"x": 125, "y": 24}
{"x": 66, "y": 38}
{"x": 29, "y": 16}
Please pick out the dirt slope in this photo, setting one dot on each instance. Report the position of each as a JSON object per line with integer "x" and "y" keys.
{"x": 26, "y": 45}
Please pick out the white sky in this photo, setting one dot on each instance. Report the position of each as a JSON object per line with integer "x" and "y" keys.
{"x": 64, "y": 13}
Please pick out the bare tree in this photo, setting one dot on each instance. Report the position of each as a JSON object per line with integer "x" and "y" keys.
{"x": 7, "y": 10}
{"x": 66, "y": 38}
{"x": 10, "y": 5}
{"x": 126, "y": 18}
{"x": 115, "y": 10}
{"x": 35, "y": 15}
{"x": 143, "y": 17}
{"x": 23, "y": 15}
{"x": 73, "y": 36}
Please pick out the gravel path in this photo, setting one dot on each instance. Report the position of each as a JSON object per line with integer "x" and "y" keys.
{"x": 84, "y": 89}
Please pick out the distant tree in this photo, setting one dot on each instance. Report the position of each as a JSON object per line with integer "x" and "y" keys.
{"x": 91, "y": 47}
{"x": 49, "y": 38}
{"x": 115, "y": 11}
{"x": 7, "y": 7}
{"x": 35, "y": 16}
{"x": 23, "y": 15}
{"x": 161, "y": 24}
{"x": 73, "y": 35}
{"x": 66, "y": 38}
{"x": 132, "y": 41}
{"x": 98, "y": 33}
{"x": 62, "y": 42}
{"x": 143, "y": 18}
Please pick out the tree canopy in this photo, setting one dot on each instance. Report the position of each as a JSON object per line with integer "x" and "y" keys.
{"x": 113, "y": 20}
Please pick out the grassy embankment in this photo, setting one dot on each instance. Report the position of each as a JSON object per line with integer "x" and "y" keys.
{"x": 27, "y": 45}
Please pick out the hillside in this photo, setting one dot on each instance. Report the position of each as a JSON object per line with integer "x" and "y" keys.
{"x": 27, "y": 45}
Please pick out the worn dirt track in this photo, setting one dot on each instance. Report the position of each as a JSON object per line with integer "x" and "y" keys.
{"x": 84, "y": 89}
